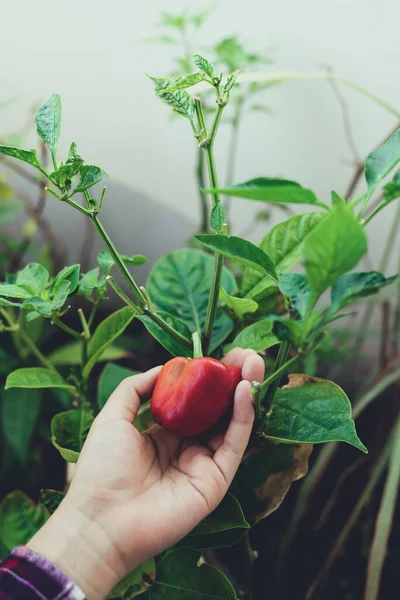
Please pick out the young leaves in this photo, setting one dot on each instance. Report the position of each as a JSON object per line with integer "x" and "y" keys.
{"x": 315, "y": 411}
{"x": 179, "y": 100}
{"x": 65, "y": 172}
{"x": 89, "y": 176}
{"x": 36, "y": 377}
{"x": 241, "y": 250}
{"x": 265, "y": 189}
{"x": 334, "y": 247}
{"x": 240, "y": 306}
{"x": 69, "y": 431}
{"x": 28, "y": 156}
{"x": 352, "y": 286}
{"x": 204, "y": 66}
{"x": 231, "y": 81}
{"x": 184, "y": 82}
{"x": 48, "y": 123}
{"x": 258, "y": 336}
{"x": 381, "y": 161}
{"x": 218, "y": 217}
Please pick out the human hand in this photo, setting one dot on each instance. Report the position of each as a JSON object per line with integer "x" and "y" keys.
{"x": 133, "y": 495}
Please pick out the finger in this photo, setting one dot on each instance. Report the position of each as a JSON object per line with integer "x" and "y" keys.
{"x": 124, "y": 402}
{"x": 229, "y": 454}
{"x": 253, "y": 368}
{"x": 237, "y": 356}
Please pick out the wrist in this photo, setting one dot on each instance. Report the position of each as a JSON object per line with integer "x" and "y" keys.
{"x": 81, "y": 549}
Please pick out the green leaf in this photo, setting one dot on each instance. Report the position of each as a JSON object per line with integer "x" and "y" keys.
{"x": 231, "y": 52}
{"x": 184, "y": 82}
{"x": 51, "y": 499}
{"x": 258, "y": 337}
{"x": 69, "y": 431}
{"x": 218, "y": 217}
{"x": 241, "y": 250}
{"x": 231, "y": 80}
{"x": 180, "y": 101}
{"x": 19, "y": 414}
{"x": 48, "y": 122}
{"x": 89, "y": 282}
{"x": 240, "y": 306}
{"x": 203, "y": 64}
{"x": 89, "y": 176}
{"x": 56, "y": 298}
{"x": 70, "y": 354}
{"x": 295, "y": 287}
{"x": 264, "y": 189}
{"x": 109, "y": 380}
{"x": 12, "y": 290}
{"x": 290, "y": 331}
{"x": 70, "y": 274}
{"x": 332, "y": 248}
{"x": 20, "y": 519}
{"x": 382, "y": 160}
{"x": 106, "y": 333}
{"x": 314, "y": 412}
{"x": 173, "y": 346}
{"x": 132, "y": 579}
{"x": 179, "y": 284}
{"x": 33, "y": 278}
{"x": 28, "y": 156}
{"x": 136, "y": 260}
{"x": 178, "y": 575}
{"x": 106, "y": 261}
{"x": 36, "y": 377}
{"x": 65, "y": 172}
{"x": 352, "y": 286}
{"x": 4, "y": 302}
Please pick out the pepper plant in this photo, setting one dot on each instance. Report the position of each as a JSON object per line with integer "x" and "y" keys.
{"x": 192, "y": 299}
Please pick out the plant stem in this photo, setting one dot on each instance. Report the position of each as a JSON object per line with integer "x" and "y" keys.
{"x": 85, "y": 327}
{"x": 35, "y": 350}
{"x": 375, "y": 212}
{"x": 276, "y": 374}
{"x": 76, "y": 205}
{"x": 114, "y": 285}
{"x": 93, "y": 314}
{"x": 57, "y": 321}
{"x": 204, "y": 228}
{"x": 280, "y": 361}
{"x": 197, "y": 351}
{"x": 172, "y": 332}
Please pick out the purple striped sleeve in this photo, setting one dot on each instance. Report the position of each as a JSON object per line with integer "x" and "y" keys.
{"x": 28, "y": 576}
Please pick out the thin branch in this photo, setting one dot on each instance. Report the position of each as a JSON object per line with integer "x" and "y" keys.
{"x": 385, "y": 334}
{"x": 347, "y": 126}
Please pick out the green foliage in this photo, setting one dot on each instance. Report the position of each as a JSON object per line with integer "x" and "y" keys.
{"x": 175, "y": 347}
{"x": 295, "y": 287}
{"x": 51, "y": 499}
{"x": 258, "y": 336}
{"x": 89, "y": 176}
{"x": 203, "y": 64}
{"x": 133, "y": 582}
{"x": 218, "y": 217}
{"x": 20, "y": 519}
{"x": 28, "y": 156}
{"x": 70, "y": 354}
{"x": 382, "y": 160}
{"x": 110, "y": 378}
{"x": 48, "y": 122}
{"x": 19, "y": 414}
{"x": 352, "y": 286}
{"x": 316, "y": 411}
{"x": 264, "y": 189}
{"x": 69, "y": 431}
{"x": 239, "y": 306}
{"x": 178, "y": 572}
{"x": 36, "y": 377}
{"x": 185, "y": 82}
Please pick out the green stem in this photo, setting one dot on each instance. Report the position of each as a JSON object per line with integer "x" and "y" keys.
{"x": 172, "y": 332}
{"x": 76, "y": 205}
{"x": 276, "y": 374}
{"x": 66, "y": 328}
{"x": 197, "y": 351}
{"x": 280, "y": 362}
{"x": 114, "y": 285}
{"x": 85, "y": 327}
{"x": 204, "y": 228}
{"x": 35, "y": 350}
{"x": 93, "y": 314}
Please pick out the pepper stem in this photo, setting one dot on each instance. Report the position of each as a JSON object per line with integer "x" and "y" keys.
{"x": 197, "y": 351}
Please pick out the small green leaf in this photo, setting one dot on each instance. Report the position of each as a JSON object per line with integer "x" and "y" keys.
{"x": 382, "y": 160}
{"x": 231, "y": 80}
{"x": 184, "y": 82}
{"x": 12, "y": 290}
{"x": 241, "y": 250}
{"x": 240, "y": 306}
{"x": 48, "y": 122}
{"x": 135, "y": 260}
{"x": 19, "y": 414}
{"x": 179, "y": 575}
{"x": 332, "y": 248}
{"x": 314, "y": 412}
{"x": 51, "y": 499}
{"x": 203, "y": 64}
{"x": 36, "y": 377}
{"x": 65, "y": 172}
{"x": 289, "y": 331}
{"x": 70, "y": 274}
{"x": 265, "y": 189}
{"x": 337, "y": 200}
{"x": 180, "y": 101}
{"x": 28, "y": 156}
{"x": 106, "y": 333}
{"x": 258, "y": 337}
{"x": 20, "y": 519}
{"x": 90, "y": 281}
{"x": 69, "y": 431}
{"x": 57, "y": 296}
{"x": 89, "y": 176}
{"x": 133, "y": 580}
{"x": 218, "y": 217}
{"x": 231, "y": 52}
{"x": 70, "y": 354}
{"x": 110, "y": 378}
{"x": 33, "y": 278}
{"x": 173, "y": 346}
{"x": 106, "y": 261}
{"x": 352, "y": 286}
{"x": 295, "y": 287}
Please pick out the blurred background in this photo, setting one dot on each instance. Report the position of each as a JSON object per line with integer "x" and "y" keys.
{"x": 313, "y": 130}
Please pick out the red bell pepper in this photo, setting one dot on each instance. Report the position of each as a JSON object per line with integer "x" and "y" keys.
{"x": 192, "y": 395}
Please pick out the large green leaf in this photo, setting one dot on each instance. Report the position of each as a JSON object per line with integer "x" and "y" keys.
{"x": 352, "y": 286}
{"x": 36, "y": 377}
{"x": 312, "y": 412}
{"x": 334, "y": 247}
{"x": 106, "y": 333}
{"x": 28, "y": 156}
{"x": 382, "y": 160}
{"x": 266, "y": 189}
{"x": 241, "y": 250}
{"x": 19, "y": 413}
{"x": 284, "y": 245}
{"x": 257, "y": 336}
{"x": 179, "y": 575}
{"x": 69, "y": 431}
{"x": 89, "y": 176}
{"x": 179, "y": 284}
{"x": 174, "y": 346}
{"x": 48, "y": 122}
{"x": 70, "y": 354}
{"x": 20, "y": 519}
{"x": 34, "y": 278}
{"x": 110, "y": 378}
{"x": 133, "y": 580}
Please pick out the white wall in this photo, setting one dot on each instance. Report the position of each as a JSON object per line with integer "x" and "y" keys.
{"x": 94, "y": 54}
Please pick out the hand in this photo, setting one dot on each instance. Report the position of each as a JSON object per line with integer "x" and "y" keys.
{"x": 133, "y": 495}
